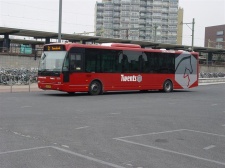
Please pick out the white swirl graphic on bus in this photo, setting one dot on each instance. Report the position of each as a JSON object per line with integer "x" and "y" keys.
{"x": 132, "y": 78}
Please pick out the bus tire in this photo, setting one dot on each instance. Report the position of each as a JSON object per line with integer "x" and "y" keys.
{"x": 95, "y": 88}
{"x": 168, "y": 86}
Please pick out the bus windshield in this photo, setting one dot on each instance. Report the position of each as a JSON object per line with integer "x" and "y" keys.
{"x": 52, "y": 61}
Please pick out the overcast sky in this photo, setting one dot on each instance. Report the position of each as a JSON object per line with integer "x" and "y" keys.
{"x": 78, "y": 16}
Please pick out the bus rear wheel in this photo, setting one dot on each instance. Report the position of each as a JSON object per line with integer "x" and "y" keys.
{"x": 168, "y": 86}
{"x": 95, "y": 88}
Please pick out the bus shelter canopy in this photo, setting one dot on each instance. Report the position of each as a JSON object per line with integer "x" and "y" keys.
{"x": 96, "y": 39}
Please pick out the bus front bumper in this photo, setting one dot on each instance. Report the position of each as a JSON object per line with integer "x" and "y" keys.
{"x": 50, "y": 86}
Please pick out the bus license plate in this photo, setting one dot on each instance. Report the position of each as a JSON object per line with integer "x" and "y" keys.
{"x": 48, "y": 86}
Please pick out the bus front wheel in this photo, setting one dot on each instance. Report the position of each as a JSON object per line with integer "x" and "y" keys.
{"x": 95, "y": 88}
{"x": 168, "y": 86}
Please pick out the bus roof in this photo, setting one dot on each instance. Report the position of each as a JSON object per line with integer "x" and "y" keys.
{"x": 118, "y": 46}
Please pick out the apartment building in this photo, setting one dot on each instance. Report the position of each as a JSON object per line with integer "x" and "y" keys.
{"x": 150, "y": 20}
{"x": 215, "y": 36}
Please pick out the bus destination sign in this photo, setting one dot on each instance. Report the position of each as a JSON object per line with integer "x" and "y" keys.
{"x": 54, "y": 48}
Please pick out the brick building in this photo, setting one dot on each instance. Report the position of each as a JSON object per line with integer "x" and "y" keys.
{"x": 215, "y": 36}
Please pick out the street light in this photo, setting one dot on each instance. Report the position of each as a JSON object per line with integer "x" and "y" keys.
{"x": 193, "y": 31}
{"x": 60, "y": 21}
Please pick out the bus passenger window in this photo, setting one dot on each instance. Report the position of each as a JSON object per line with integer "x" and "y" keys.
{"x": 75, "y": 62}
{"x": 125, "y": 64}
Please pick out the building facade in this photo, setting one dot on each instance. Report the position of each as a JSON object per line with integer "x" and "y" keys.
{"x": 215, "y": 36}
{"x": 150, "y": 20}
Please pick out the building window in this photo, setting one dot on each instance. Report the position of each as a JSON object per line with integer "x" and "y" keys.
{"x": 220, "y": 39}
{"x": 218, "y": 33}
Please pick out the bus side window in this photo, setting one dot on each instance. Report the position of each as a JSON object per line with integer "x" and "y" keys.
{"x": 125, "y": 63}
{"x": 75, "y": 62}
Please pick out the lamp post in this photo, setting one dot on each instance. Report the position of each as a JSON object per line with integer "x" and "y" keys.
{"x": 60, "y": 21}
{"x": 155, "y": 28}
{"x": 193, "y": 31}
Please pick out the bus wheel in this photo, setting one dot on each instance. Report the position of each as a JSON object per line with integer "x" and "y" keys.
{"x": 168, "y": 86}
{"x": 95, "y": 88}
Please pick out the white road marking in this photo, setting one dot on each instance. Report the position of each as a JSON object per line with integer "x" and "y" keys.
{"x": 214, "y": 104}
{"x": 223, "y": 125}
{"x": 115, "y": 113}
{"x": 170, "y": 151}
{"x": 217, "y": 83}
{"x": 82, "y": 127}
{"x": 153, "y": 133}
{"x": 208, "y": 133}
{"x": 22, "y": 150}
{"x": 209, "y": 147}
{"x": 16, "y": 133}
{"x": 87, "y": 157}
{"x": 65, "y": 146}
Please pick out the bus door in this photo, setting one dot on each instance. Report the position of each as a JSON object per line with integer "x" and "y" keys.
{"x": 75, "y": 75}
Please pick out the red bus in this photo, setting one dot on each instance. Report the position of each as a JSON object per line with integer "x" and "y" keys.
{"x": 73, "y": 67}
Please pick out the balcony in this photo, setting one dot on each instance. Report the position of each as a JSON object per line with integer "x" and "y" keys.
{"x": 116, "y": 27}
{"x": 99, "y": 26}
{"x": 108, "y": 8}
{"x": 116, "y": 21}
{"x": 124, "y": 2}
{"x": 164, "y": 17}
{"x": 173, "y": 5}
{"x": 143, "y": 4}
{"x": 99, "y": 20}
{"x": 135, "y": 2}
{"x": 135, "y": 9}
{"x": 173, "y": 17}
{"x": 173, "y": 23}
{"x": 156, "y": 17}
{"x": 100, "y": 8}
{"x": 108, "y": 14}
{"x": 157, "y": 4}
{"x": 125, "y": 8}
{"x": 173, "y": 11}
{"x": 142, "y": 21}
{"x": 107, "y": 21}
{"x": 142, "y": 9}
{"x": 108, "y": 26}
{"x": 116, "y": 1}
{"x": 165, "y": 4}
{"x": 115, "y": 15}
{"x": 116, "y": 8}
{"x": 99, "y": 14}
{"x": 142, "y": 15}
{"x": 142, "y": 34}
{"x": 142, "y": 28}
{"x": 125, "y": 15}
{"x": 149, "y": 4}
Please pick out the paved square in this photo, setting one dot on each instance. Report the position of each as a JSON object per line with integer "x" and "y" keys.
{"x": 189, "y": 143}
{"x": 50, "y": 156}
